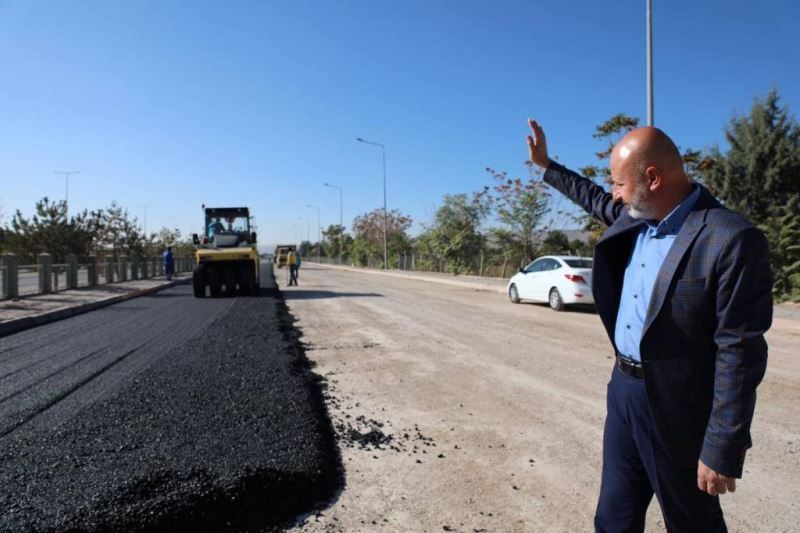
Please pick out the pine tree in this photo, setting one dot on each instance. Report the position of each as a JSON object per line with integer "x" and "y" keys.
{"x": 761, "y": 170}
{"x": 783, "y": 233}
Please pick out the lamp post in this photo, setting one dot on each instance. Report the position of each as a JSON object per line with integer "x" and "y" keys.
{"x": 308, "y": 228}
{"x": 383, "y": 152}
{"x": 145, "y": 206}
{"x": 341, "y": 227}
{"x": 650, "y": 117}
{"x": 319, "y": 234}
{"x": 66, "y": 175}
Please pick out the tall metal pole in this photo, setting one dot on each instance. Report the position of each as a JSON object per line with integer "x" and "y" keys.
{"x": 308, "y": 230}
{"x": 66, "y": 175}
{"x": 385, "y": 247}
{"x": 341, "y": 225}
{"x": 650, "y": 62}
{"x": 319, "y": 234}
{"x": 145, "y": 206}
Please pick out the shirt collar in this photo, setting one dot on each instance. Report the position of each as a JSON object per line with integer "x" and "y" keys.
{"x": 671, "y": 224}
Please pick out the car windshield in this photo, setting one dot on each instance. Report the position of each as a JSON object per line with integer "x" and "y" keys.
{"x": 579, "y": 263}
{"x": 230, "y": 225}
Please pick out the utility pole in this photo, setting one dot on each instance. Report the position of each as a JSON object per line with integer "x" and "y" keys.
{"x": 145, "y": 206}
{"x": 650, "y": 117}
{"x": 341, "y": 226}
{"x": 319, "y": 234}
{"x": 385, "y": 247}
{"x": 66, "y": 174}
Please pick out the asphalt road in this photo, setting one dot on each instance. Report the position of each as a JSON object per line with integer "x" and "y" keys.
{"x": 162, "y": 412}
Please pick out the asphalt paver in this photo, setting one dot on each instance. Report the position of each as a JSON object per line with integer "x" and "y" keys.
{"x": 163, "y": 413}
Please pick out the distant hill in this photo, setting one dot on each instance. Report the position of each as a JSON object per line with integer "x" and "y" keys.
{"x": 572, "y": 234}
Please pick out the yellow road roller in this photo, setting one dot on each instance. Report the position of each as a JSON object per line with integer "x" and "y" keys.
{"x": 226, "y": 254}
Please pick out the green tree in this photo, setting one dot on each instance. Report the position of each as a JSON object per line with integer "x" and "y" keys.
{"x": 116, "y": 233}
{"x": 782, "y": 229}
{"x": 761, "y": 169}
{"x": 368, "y": 238}
{"x": 521, "y": 206}
{"x": 556, "y": 243}
{"x": 334, "y": 238}
{"x": 48, "y": 230}
{"x": 454, "y": 237}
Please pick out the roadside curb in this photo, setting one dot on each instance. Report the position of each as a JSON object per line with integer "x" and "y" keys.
{"x": 487, "y": 287}
{"x": 28, "y": 322}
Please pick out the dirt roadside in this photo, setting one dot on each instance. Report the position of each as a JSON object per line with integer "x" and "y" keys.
{"x": 458, "y": 411}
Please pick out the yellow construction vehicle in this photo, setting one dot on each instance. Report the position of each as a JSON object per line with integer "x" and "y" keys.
{"x": 226, "y": 254}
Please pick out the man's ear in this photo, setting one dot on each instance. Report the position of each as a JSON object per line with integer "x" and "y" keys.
{"x": 654, "y": 178}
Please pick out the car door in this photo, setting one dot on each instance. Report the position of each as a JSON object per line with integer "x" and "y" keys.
{"x": 550, "y": 278}
{"x": 532, "y": 280}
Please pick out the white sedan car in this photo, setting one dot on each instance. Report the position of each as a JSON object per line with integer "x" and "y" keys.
{"x": 556, "y": 279}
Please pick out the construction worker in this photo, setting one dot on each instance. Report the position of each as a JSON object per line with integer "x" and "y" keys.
{"x": 169, "y": 263}
{"x": 293, "y": 262}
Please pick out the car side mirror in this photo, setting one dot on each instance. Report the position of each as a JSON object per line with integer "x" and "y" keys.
{"x": 522, "y": 270}
{"x": 253, "y": 237}
{"x": 195, "y": 239}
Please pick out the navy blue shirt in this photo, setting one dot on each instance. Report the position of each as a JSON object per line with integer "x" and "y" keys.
{"x": 652, "y": 246}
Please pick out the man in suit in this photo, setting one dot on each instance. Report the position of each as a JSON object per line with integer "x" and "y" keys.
{"x": 683, "y": 288}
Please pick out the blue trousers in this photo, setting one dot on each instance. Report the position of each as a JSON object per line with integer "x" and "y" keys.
{"x": 635, "y": 465}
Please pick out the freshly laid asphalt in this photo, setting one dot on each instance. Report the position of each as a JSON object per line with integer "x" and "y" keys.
{"x": 163, "y": 413}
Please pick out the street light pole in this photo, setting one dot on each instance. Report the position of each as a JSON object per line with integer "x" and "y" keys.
{"x": 383, "y": 152}
{"x": 650, "y": 117}
{"x": 66, "y": 175}
{"x": 308, "y": 229}
{"x": 341, "y": 226}
{"x": 145, "y": 206}
{"x": 319, "y": 235}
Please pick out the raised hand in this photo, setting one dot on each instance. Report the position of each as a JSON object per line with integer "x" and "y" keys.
{"x": 537, "y": 145}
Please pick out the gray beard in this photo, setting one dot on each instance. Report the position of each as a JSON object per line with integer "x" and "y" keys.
{"x": 640, "y": 206}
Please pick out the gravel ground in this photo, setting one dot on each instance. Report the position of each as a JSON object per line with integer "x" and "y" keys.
{"x": 459, "y": 411}
{"x": 226, "y": 431}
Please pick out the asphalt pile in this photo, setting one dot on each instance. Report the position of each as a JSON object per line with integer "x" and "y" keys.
{"x": 227, "y": 432}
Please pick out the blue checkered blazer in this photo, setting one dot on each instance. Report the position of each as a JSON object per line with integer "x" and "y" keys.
{"x": 703, "y": 348}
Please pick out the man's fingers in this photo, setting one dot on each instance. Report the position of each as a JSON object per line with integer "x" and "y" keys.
{"x": 730, "y": 482}
{"x": 721, "y": 486}
{"x": 536, "y": 130}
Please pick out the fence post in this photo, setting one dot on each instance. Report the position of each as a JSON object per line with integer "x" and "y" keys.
{"x": 10, "y": 276}
{"x": 145, "y": 267}
{"x": 109, "y": 269}
{"x": 45, "y": 273}
{"x": 92, "y": 270}
{"x": 135, "y": 267}
{"x": 123, "y": 268}
{"x": 72, "y": 272}
{"x": 160, "y": 267}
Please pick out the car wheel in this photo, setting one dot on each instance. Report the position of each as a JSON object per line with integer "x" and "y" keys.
{"x": 513, "y": 294}
{"x": 555, "y": 300}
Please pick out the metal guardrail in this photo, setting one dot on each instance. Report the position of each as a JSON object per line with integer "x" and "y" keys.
{"x": 45, "y": 277}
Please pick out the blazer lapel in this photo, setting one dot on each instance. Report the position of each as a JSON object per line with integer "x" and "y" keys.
{"x": 686, "y": 236}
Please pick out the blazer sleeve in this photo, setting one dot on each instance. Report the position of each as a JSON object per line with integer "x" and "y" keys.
{"x": 584, "y": 192}
{"x": 744, "y": 314}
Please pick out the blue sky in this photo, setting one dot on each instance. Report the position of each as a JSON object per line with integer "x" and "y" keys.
{"x": 173, "y": 104}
